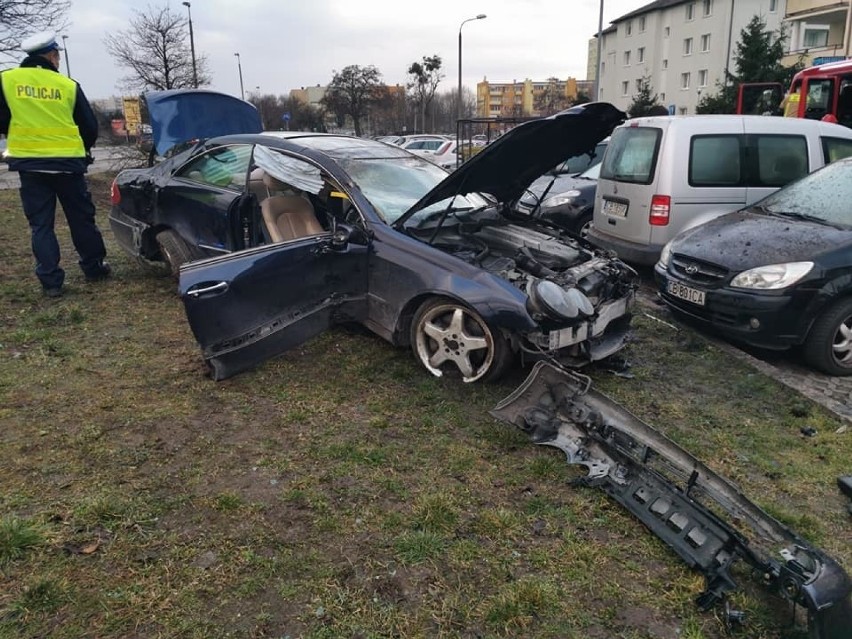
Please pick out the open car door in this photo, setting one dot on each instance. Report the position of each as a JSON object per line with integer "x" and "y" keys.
{"x": 252, "y": 305}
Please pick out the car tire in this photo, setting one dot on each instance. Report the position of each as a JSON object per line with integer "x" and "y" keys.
{"x": 449, "y": 337}
{"x": 176, "y": 251}
{"x": 829, "y": 344}
{"x": 583, "y": 223}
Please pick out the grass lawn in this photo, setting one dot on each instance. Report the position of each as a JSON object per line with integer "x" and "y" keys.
{"x": 342, "y": 491}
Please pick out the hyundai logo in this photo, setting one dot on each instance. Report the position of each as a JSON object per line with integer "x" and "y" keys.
{"x": 692, "y": 269}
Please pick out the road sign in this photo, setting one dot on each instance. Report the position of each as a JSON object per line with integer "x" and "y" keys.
{"x": 285, "y": 116}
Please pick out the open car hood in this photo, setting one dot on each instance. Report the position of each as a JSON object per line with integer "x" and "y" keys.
{"x": 507, "y": 166}
{"x": 192, "y": 114}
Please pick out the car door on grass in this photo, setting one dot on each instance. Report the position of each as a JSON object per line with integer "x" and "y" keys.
{"x": 251, "y": 305}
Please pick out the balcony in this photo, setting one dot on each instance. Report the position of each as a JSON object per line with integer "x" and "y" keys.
{"x": 816, "y": 30}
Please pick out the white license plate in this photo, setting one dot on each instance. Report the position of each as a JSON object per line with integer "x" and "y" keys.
{"x": 676, "y": 289}
{"x": 615, "y": 209}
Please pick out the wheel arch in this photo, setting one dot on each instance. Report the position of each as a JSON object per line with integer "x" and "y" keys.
{"x": 402, "y": 326}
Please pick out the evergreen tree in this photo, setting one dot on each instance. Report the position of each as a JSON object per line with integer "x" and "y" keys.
{"x": 757, "y": 58}
{"x": 644, "y": 100}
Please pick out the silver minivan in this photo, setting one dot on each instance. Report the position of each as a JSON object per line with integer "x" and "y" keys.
{"x": 661, "y": 175}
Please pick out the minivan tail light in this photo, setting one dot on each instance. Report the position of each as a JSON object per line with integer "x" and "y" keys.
{"x": 660, "y": 207}
{"x": 114, "y": 194}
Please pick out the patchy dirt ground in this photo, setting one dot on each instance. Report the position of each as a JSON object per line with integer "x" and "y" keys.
{"x": 340, "y": 491}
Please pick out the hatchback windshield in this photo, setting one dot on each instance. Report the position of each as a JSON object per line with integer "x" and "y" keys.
{"x": 824, "y": 195}
{"x": 394, "y": 185}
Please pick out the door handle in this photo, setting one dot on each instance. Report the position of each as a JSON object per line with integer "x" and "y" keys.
{"x": 221, "y": 287}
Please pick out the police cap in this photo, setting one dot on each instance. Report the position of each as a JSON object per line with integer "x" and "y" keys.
{"x": 41, "y": 42}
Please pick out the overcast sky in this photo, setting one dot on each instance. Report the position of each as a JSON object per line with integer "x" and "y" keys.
{"x": 288, "y": 44}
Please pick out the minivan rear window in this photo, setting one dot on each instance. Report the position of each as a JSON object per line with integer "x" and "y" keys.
{"x": 632, "y": 155}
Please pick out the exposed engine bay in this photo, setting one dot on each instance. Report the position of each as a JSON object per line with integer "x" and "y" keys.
{"x": 520, "y": 255}
{"x": 575, "y": 292}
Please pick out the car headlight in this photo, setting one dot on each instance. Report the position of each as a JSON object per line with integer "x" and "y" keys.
{"x": 549, "y": 298}
{"x": 773, "y": 276}
{"x": 666, "y": 255}
{"x": 560, "y": 199}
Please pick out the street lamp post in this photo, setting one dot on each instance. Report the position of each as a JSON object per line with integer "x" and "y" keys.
{"x": 192, "y": 45}
{"x": 596, "y": 97}
{"x": 240, "y": 67}
{"x": 65, "y": 53}
{"x": 481, "y": 16}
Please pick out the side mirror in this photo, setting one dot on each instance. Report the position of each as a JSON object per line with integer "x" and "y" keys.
{"x": 340, "y": 237}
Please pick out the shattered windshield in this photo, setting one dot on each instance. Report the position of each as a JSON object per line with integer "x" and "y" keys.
{"x": 394, "y": 185}
{"x": 824, "y": 196}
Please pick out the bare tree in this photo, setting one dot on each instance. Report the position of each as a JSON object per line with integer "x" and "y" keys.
{"x": 20, "y": 18}
{"x": 552, "y": 99}
{"x": 156, "y": 50}
{"x": 352, "y": 91}
{"x": 425, "y": 77}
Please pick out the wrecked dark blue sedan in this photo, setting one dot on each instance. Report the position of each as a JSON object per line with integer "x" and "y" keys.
{"x": 276, "y": 237}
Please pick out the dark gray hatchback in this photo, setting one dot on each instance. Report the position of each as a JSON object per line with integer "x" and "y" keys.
{"x": 776, "y": 274}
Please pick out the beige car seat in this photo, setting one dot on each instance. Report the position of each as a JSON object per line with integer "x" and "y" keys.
{"x": 289, "y": 217}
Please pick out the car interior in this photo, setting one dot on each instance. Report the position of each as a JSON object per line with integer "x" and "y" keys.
{"x": 290, "y": 213}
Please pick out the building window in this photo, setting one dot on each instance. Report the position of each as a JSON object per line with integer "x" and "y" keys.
{"x": 603, "y": 68}
{"x": 690, "y": 11}
{"x": 640, "y": 54}
{"x": 684, "y": 80}
{"x": 702, "y": 78}
{"x": 627, "y": 58}
{"x": 665, "y": 64}
{"x": 638, "y": 85}
{"x": 708, "y": 8}
{"x": 628, "y": 28}
{"x": 662, "y": 97}
{"x": 681, "y": 110}
{"x": 705, "y": 42}
{"x": 687, "y": 46}
{"x": 816, "y": 35}
{"x": 642, "y": 24}
{"x": 666, "y": 32}
{"x": 624, "y": 88}
{"x": 773, "y": 6}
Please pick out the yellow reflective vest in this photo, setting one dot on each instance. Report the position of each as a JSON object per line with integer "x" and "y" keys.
{"x": 42, "y": 107}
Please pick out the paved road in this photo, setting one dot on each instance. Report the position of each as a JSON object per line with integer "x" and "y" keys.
{"x": 108, "y": 158}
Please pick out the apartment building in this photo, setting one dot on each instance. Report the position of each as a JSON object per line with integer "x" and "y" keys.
{"x": 521, "y": 99}
{"x": 819, "y": 30}
{"x": 682, "y": 46}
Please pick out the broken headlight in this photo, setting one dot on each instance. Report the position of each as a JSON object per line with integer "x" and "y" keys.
{"x": 550, "y": 299}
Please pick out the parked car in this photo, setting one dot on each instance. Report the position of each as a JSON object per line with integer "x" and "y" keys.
{"x": 307, "y": 230}
{"x": 661, "y": 175}
{"x": 777, "y": 274}
{"x": 565, "y": 198}
{"x": 440, "y": 152}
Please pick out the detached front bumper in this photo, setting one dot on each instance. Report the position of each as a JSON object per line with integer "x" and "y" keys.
{"x": 679, "y": 498}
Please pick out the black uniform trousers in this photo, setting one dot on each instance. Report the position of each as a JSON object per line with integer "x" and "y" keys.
{"x": 39, "y": 192}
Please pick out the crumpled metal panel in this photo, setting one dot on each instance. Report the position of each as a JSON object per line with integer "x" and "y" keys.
{"x": 678, "y": 497}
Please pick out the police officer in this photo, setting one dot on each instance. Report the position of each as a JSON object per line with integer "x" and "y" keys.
{"x": 51, "y": 129}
